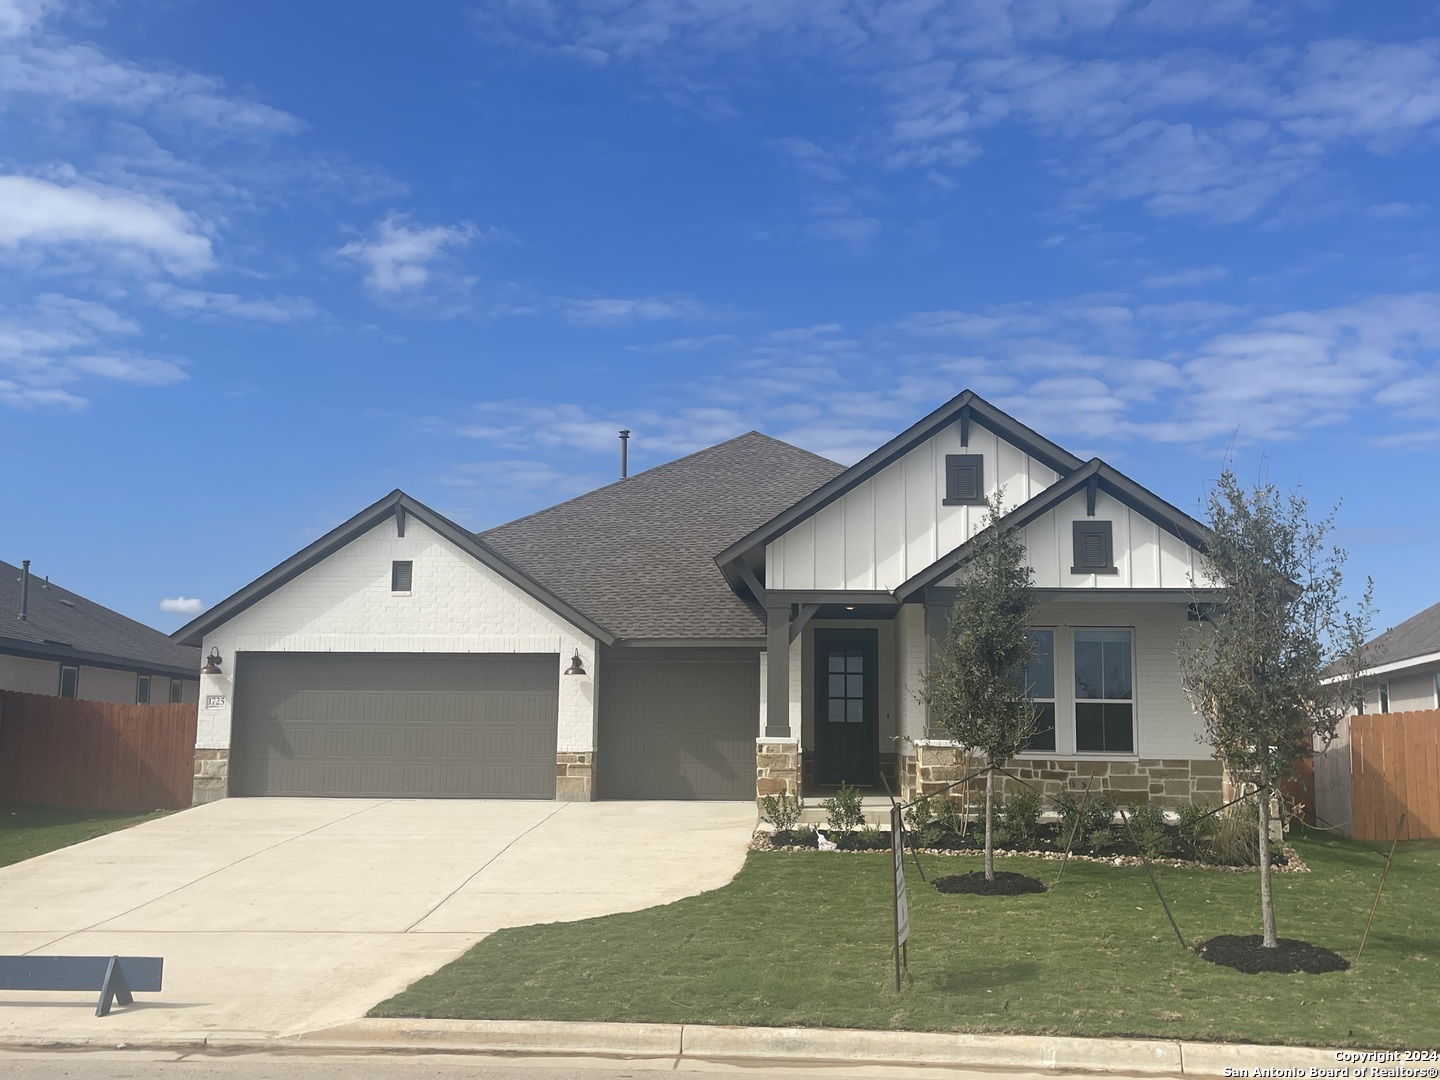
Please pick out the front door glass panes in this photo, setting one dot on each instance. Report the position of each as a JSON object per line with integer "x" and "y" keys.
{"x": 1104, "y": 709}
{"x": 845, "y": 687}
{"x": 1040, "y": 685}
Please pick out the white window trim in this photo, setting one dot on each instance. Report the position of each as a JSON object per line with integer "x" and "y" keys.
{"x": 1134, "y": 702}
{"x": 149, "y": 684}
{"x": 60, "y": 685}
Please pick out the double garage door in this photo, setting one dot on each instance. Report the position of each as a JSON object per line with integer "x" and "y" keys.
{"x": 673, "y": 724}
{"x": 403, "y": 725}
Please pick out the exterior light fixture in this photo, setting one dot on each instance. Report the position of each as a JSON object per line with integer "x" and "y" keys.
{"x": 576, "y": 667}
{"x": 212, "y": 663}
{"x": 849, "y": 607}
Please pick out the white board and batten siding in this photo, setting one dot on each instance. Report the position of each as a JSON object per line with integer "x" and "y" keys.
{"x": 893, "y": 525}
{"x": 1146, "y": 555}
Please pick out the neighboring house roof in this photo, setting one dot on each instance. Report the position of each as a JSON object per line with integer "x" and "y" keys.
{"x": 964, "y": 408}
{"x": 1093, "y": 476}
{"x": 392, "y": 505}
{"x": 62, "y": 625}
{"x": 639, "y": 555}
{"x": 1417, "y": 638}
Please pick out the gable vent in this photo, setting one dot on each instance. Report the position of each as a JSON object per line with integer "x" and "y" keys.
{"x": 1094, "y": 548}
{"x": 964, "y": 479}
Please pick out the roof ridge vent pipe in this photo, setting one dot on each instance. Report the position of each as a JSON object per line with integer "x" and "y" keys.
{"x": 25, "y": 590}
{"x": 624, "y": 453}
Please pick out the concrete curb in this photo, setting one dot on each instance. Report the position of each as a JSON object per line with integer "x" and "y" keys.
{"x": 695, "y": 1042}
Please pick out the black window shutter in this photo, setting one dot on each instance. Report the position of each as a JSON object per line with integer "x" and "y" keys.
{"x": 1094, "y": 548}
{"x": 964, "y": 479}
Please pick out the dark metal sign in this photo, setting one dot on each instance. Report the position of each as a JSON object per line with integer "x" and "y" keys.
{"x": 902, "y": 905}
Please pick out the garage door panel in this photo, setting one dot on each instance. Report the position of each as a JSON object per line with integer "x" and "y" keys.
{"x": 403, "y": 725}
{"x": 678, "y": 725}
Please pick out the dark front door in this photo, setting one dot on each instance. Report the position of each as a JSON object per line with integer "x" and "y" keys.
{"x": 846, "y": 733}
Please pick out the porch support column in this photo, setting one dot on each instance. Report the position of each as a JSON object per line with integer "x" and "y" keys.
{"x": 937, "y": 625}
{"x": 777, "y": 672}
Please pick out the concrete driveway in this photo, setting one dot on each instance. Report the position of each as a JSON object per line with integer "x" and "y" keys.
{"x": 284, "y": 915}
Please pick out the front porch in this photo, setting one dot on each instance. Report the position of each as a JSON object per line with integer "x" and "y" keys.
{"x": 850, "y": 675}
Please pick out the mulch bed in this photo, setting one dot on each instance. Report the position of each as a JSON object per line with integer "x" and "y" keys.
{"x": 1289, "y": 957}
{"x": 1285, "y": 859}
{"x": 974, "y": 884}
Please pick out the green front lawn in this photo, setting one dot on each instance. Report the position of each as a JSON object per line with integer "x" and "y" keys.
{"x": 804, "y": 940}
{"x": 28, "y": 829}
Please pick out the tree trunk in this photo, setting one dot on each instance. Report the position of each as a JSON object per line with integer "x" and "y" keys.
{"x": 990, "y": 824}
{"x": 1267, "y": 896}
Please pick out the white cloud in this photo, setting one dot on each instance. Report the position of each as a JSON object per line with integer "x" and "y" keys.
{"x": 52, "y": 350}
{"x": 69, "y": 73}
{"x": 49, "y": 218}
{"x": 19, "y": 17}
{"x": 399, "y": 257}
{"x": 1200, "y": 275}
{"x": 181, "y": 605}
{"x": 610, "y": 310}
{"x": 218, "y": 305}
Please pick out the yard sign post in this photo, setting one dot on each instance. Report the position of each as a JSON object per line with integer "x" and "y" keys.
{"x": 902, "y": 906}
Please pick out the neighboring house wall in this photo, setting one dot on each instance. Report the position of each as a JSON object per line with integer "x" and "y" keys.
{"x": 456, "y": 605}
{"x": 30, "y": 676}
{"x": 893, "y": 525}
{"x": 1406, "y": 690}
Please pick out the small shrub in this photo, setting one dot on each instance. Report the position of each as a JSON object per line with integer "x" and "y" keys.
{"x": 919, "y": 814}
{"x": 951, "y": 815}
{"x": 1020, "y": 817}
{"x": 1236, "y": 838}
{"x": 782, "y": 811}
{"x": 1197, "y": 825}
{"x": 1148, "y": 824}
{"x": 843, "y": 812}
{"x": 1089, "y": 818}
{"x": 872, "y": 838}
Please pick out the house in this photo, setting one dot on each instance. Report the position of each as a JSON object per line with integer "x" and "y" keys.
{"x": 53, "y": 641}
{"x": 1405, "y": 676}
{"x": 746, "y": 620}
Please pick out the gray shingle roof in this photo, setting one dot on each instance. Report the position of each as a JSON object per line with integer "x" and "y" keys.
{"x": 1418, "y": 635}
{"x": 59, "y": 616}
{"x": 638, "y": 555}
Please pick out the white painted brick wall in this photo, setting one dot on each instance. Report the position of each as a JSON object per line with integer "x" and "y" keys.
{"x": 1167, "y": 726}
{"x": 457, "y": 605}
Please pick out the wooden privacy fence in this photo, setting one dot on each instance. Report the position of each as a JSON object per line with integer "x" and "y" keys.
{"x": 95, "y": 755}
{"x": 1393, "y": 765}
{"x": 1381, "y": 766}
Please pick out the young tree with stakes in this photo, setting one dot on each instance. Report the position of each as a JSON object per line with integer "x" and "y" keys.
{"x": 1277, "y": 663}
{"x": 976, "y": 687}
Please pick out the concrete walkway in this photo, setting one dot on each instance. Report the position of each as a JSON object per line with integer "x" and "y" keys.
{"x": 277, "y": 916}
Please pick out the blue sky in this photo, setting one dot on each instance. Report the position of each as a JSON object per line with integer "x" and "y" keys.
{"x": 261, "y": 263}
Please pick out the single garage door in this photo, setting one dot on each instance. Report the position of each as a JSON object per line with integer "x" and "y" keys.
{"x": 406, "y": 725}
{"x": 678, "y": 723}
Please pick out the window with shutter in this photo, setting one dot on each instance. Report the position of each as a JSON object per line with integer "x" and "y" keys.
{"x": 1094, "y": 548}
{"x": 964, "y": 479}
{"x": 401, "y": 575}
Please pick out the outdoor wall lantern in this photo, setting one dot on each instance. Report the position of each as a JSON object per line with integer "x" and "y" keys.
{"x": 212, "y": 663}
{"x": 576, "y": 667}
